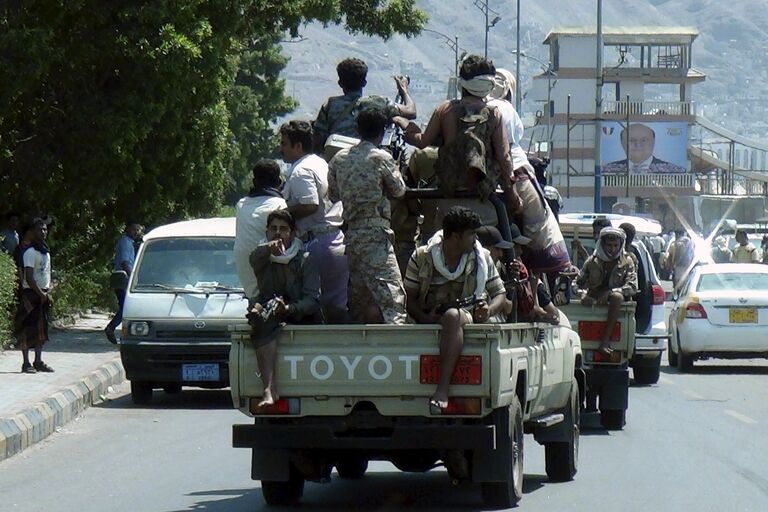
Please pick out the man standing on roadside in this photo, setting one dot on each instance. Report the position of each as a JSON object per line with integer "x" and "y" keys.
{"x": 9, "y": 236}
{"x": 318, "y": 220}
{"x": 125, "y": 256}
{"x": 35, "y": 300}
{"x": 364, "y": 178}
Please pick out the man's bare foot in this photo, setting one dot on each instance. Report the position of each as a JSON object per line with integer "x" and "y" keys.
{"x": 269, "y": 398}
{"x": 605, "y": 348}
{"x": 439, "y": 400}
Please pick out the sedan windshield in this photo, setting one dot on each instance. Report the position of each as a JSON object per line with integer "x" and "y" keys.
{"x": 188, "y": 264}
{"x": 736, "y": 282}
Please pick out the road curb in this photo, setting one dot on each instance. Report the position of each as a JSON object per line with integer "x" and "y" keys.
{"x": 35, "y": 423}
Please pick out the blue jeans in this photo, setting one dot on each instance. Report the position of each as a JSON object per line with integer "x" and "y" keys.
{"x": 120, "y": 294}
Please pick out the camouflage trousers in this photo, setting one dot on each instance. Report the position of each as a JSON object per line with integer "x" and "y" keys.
{"x": 374, "y": 277}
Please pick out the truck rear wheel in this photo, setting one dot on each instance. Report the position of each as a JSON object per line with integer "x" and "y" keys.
{"x": 507, "y": 493}
{"x": 613, "y": 419}
{"x": 352, "y": 468}
{"x": 562, "y": 458}
{"x": 283, "y": 493}
{"x": 647, "y": 374}
{"x": 141, "y": 392}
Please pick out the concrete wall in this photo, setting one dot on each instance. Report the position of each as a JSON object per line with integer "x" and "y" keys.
{"x": 577, "y": 52}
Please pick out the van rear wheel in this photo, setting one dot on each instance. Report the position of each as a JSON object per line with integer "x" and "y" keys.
{"x": 141, "y": 392}
{"x": 509, "y": 491}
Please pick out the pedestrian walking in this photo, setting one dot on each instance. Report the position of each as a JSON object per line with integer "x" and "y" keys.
{"x": 125, "y": 256}
{"x": 31, "y": 326}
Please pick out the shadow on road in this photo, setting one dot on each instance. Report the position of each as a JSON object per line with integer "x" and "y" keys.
{"x": 702, "y": 368}
{"x": 79, "y": 341}
{"x": 188, "y": 399}
{"x": 375, "y": 492}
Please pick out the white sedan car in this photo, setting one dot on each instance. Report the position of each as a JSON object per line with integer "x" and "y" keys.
{"x": 721, "y": 312}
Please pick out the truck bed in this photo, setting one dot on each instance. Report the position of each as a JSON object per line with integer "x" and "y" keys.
{"x": 333, "y": 368}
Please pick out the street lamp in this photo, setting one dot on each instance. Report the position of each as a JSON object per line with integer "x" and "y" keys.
{"x": 483, "y": 6}
{"x": 453, "y": 44}
{"x": 547, "y": 66}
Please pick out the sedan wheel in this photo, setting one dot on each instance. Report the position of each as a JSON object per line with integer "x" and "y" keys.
{"x": 684, "y": 361}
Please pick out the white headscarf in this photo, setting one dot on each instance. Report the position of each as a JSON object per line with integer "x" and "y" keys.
{"x": 479, "y": 86}
{"x": 435, "y": 249}
{"x": 505, "y": 84}
{"x": 289, "y": 253}
{"x": 600, "y": 249}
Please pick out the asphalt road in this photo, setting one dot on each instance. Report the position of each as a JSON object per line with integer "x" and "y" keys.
{"x": 694, "y": 442}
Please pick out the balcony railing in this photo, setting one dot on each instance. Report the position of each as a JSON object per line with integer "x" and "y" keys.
{"x": 682, "y": 180}
{"x": 650, "y": 108}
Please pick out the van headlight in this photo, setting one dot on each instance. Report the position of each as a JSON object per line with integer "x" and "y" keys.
{"x": 139, "y": 328}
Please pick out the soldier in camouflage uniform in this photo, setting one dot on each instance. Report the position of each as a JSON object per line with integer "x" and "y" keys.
{"x": 338, "y": 114}
{"x": 364, "y": 178}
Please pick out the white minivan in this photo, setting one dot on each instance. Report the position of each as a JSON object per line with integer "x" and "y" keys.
{"x": 182, "y": 296}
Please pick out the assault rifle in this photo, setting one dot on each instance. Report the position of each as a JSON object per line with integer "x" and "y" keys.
{"x": 465, "y": 302}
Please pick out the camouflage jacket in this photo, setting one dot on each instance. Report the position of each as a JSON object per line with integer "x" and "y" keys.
{"x": 597, "y": 276}
{"x": 364, "y": 178}
{"x": 338, "y": 114}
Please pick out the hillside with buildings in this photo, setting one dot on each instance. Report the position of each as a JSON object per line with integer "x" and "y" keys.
{"x": 729, "y": 50}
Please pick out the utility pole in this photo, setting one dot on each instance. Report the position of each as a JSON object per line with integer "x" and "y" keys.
{"x": 485, "y": 54}
{"x": 453, "y": 44}
{"x": 598, "y": 105}
{"x": 518, "y": 97}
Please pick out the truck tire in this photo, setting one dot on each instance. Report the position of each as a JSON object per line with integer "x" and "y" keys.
{"x": 283, "y": 493}
{"x": 352, "y": 468}
{"x": 141, "y": 392}
{"x": 507, "y": 493}
{"x": 613, "y": 419}
{"x": 562, "y": 458}
{"x": 646, "y": 374}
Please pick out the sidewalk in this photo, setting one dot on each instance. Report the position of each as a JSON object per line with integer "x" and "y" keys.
{"x": 33, "y": 406}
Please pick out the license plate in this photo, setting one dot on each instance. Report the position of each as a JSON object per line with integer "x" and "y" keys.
{"x": 742, "y": 315}
{"x": 468, "y": 370}
{"x": 200, "y": 372}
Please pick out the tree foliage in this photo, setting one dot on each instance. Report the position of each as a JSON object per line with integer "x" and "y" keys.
{"x": 150, "y": 110}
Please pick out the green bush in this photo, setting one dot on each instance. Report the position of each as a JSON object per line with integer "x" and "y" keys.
{"x": 76, "y": 291}
{"x": 7, "y": 297}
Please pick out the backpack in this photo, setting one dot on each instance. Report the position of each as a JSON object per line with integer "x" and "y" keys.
{"x": 467, "y": 161}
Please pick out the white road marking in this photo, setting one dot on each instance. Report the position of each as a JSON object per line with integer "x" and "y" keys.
{"x": 740, "y": 417}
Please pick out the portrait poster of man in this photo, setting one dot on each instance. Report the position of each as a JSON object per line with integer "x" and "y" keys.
{"x": 642, "y": 148}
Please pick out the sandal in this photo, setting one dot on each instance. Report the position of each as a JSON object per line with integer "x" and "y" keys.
{"x": 27, "y": 368}
{"x": 42, "y": 367}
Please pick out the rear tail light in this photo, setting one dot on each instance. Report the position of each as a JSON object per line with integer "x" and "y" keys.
{"x": 461, "y": 407}
{"x": 468, "y": 370}
{"x": 659, "y": 295}
{"x": 591, "y": 330}
{"x": 695, "y": 310}
{"x": 281, "y": 406}
{"x": 595, "y": 356}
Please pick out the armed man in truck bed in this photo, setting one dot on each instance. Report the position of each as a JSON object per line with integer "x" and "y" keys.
{"x": 338, "y": 113}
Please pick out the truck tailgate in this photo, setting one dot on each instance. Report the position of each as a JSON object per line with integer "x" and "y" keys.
{"x": 589, "y": 323}
{"x": 344, "y": 364}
